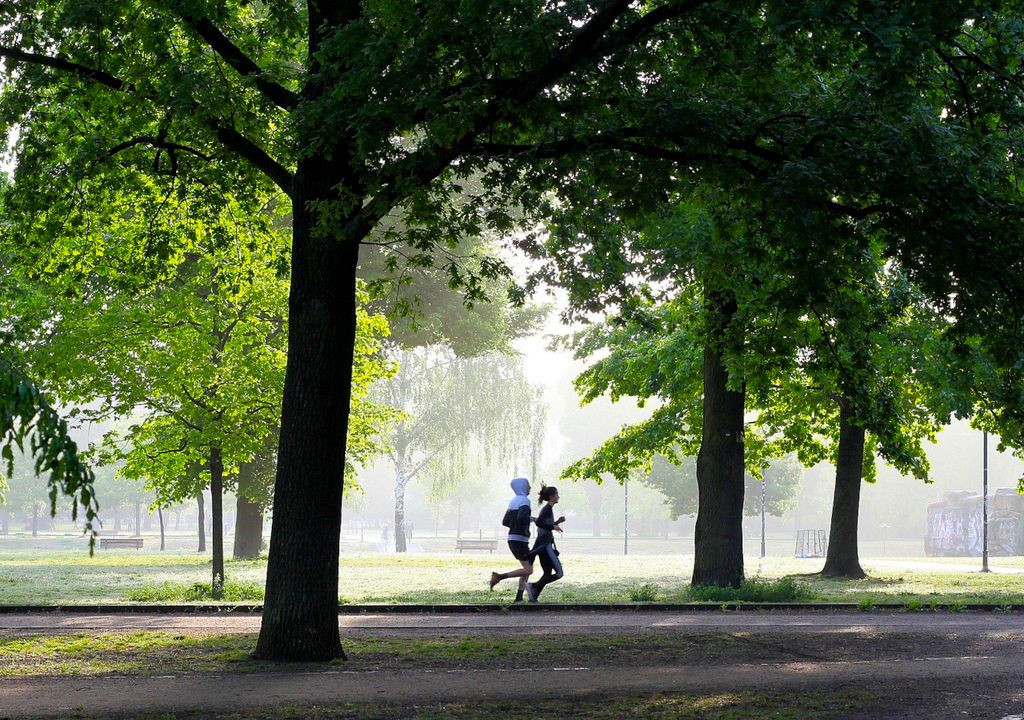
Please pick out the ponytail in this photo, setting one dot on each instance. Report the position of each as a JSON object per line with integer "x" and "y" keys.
{"x": 546, "y": 491}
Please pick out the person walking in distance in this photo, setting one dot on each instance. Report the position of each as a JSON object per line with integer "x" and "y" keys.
{"x": 544, "y": 547}
{"x": 517, "y": 519}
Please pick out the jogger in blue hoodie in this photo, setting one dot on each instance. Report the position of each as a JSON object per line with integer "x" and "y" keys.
{"x": 517, "y": 519}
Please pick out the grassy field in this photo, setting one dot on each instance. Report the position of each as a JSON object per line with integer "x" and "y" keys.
{"x": 30, "y": 574}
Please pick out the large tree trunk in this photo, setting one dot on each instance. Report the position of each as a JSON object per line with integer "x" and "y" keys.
{"x": 718, "y": 534}
{"x": 843, "y": 559}
{"x": 300, "y": 612}
{"x": 202, "y": 521}
{"x": 249, "y": 516}
{"x": 217, "y": 516}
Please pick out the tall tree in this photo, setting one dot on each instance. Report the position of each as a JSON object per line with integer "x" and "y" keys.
{"x": 359, "y": 110}
{"x": 315, "y": 97}
{"x": 877, "y": 375}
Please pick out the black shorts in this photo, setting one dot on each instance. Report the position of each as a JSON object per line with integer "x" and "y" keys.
{"x": 520, "y": 550}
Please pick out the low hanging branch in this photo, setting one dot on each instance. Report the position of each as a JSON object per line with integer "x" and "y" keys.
{"x": 26, "y": 414}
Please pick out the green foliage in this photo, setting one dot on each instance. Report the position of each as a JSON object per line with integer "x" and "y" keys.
{"x": 679, "y": 484}
{"x": 647, "y": 592}
{"x": 458, "y": 414}
{"x": 168, "y": 592}
{"x": 786, "y": 590}
{"x": 26, "y": 415}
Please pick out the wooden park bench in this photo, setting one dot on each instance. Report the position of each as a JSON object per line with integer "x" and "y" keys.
{"x": 464, "y": 544}
{"x": 110, "y": 543}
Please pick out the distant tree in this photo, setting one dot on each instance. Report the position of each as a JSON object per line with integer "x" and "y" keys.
{"x": 453, "y": 408}
{"x": 679, "y": 484}
{"x": 28, "y": 420}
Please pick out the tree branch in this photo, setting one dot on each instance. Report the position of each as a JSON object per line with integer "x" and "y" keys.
{"x": 157, "y": 143}
{"x": 242, "y": 63}
{"x": 236, "y": 142}
{"x": 231, "y": 138}
{"x": 57, "y": 63}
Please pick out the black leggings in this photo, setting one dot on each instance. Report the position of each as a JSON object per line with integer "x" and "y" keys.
{"x": 551, "y": 565}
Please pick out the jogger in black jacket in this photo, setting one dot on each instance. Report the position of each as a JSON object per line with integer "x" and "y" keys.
{"x": 517, "y": 519}
{"x": 544, "y": 548}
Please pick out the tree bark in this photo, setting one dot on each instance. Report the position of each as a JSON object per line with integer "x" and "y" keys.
{"x": 217, "y": 516}
{"x": 842, "y": 558}
{"x": 160, "y": 514}
{"x": 401, "y": 480}
{"x": 718, "y": 534}
{"x": 138, "y": 519}
{"x": 249, "y": 516}
{"x": 300, "y": 614}
{"x": 202, "y": 521}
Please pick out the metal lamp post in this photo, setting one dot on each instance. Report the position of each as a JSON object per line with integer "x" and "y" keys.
{"x": 625, "y": 517}
{"x": 984, "y": 501}
{"x": 764, "y": 481}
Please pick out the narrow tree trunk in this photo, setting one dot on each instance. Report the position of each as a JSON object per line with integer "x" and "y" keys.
{"x": 842, "y": 558}
{"x": 202, "y": 521}
{"x": 5, "y": 520}
{"x": 177, "y": 519}
{"x": 248, "y": 516}
{"x": 217, "y": 515}
{"x": 160, "y": 514}
{"x": 35, "y": 519}
{"x": 300, "y": 613}
{"x": 718, "y": 534}
{"x": 400, "y": 482}
{"x": 138, "y": 519}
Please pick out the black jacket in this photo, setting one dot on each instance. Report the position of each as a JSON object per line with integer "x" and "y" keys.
{"x": 518, "y": 524}
{"x": 545, "y": 527}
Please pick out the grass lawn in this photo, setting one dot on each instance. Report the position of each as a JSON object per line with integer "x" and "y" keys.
{"x": 36, "y": 576}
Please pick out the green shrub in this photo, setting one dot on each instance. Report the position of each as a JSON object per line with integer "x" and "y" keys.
{"x": 647, "y": 592}
{"x": 866, "y": 604}
{"x": 196, "y": 592}
{"x": 761, "y": 591}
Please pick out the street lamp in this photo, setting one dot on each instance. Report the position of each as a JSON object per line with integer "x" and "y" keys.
{"x": 984, "y": 501}
{"x": 625, "y": 516}
{"x": 764, "y": 481}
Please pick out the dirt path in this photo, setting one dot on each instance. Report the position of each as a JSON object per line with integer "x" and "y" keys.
{"x": 815, "y": 621}
{"x": 976, "y": 680}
